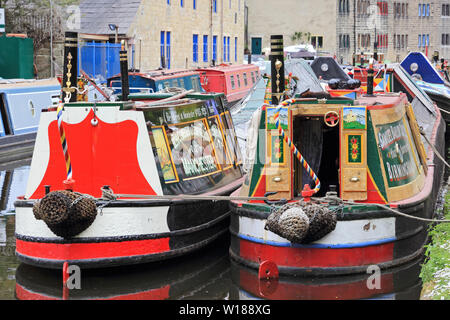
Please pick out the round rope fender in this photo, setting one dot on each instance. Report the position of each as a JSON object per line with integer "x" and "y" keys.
{"x": 66, "y": 213}
{"x": 302, "y": 222}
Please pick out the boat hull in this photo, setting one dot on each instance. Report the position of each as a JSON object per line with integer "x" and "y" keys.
{"x": 125, "y": 233}
{"x": 373, "y": 238}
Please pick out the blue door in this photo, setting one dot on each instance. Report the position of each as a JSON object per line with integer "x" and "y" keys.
{"x": 256, "y": 45}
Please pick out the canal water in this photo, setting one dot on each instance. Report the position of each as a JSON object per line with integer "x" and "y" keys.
{"x": 207, "y": 274}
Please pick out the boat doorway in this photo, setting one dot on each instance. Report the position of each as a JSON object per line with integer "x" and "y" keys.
{"x": 319, "y": 144}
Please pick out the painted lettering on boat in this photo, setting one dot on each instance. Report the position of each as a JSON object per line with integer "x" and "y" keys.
{"x": 397, "y": 153}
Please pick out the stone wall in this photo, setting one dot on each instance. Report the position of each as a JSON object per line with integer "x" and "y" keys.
{"x": 286, "y": 17}
{"x": 155, "y": 16}
{"x": 403, "y": 30}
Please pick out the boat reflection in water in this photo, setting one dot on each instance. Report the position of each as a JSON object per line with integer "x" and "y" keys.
{"x": 200, "y": 275}
{"x": 401, "y": 283}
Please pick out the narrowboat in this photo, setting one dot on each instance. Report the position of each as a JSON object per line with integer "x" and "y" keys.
{"x": 430, "y": 80}
{"x": 126, "y": 182}
{"x": 21, "y": 103}
{"x": 235, "y": 81}
{"x": 350, "y": 184}
{"x": 157, "y": 80}
{"x": 195, "y": 277}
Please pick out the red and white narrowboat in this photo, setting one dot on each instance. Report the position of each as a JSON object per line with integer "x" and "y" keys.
{"x": 117, "y": 183}
{"x": 235, "y": 81}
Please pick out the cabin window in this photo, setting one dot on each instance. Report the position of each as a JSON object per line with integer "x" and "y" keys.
{"x": 181, "y": 80}
{"x": 232, "y": 82}
{"x": 238, "y": 80}
{"x": 196, "y": 84}
{"x": 245, "y": 79}
{"x": 166, "y": 84}
{"x": 253, "y": 77}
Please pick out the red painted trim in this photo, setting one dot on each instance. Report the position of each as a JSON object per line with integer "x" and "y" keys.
{"x": 84, "y": 251}
{"x": 355, "y": 289}
{"x": 316, "y": 257}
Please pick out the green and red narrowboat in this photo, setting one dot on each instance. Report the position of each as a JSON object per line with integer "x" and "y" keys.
{"x": 366, "y": 164}
{"x": 128, "y": 182}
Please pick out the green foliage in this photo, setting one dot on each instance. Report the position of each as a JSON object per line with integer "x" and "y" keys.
{"x": 301, "y": 36}
{"x": 436, "y": 271}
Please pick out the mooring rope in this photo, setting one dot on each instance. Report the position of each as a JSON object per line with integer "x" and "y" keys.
{"x": 434, "y": 148}
{"x": 350, "y": 203}
{"x": 63, "y": 139}
{"x": 292, "y": 146}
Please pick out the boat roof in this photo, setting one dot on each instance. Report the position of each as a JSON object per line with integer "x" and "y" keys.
{"x": 229, "y": 68}
{"x": 424, "y": 67}
{"x": 161, "y": 74}
{"x": 418, "y": 92}
{"x": 327, "y": 68}
{"x": 307, "y": 78}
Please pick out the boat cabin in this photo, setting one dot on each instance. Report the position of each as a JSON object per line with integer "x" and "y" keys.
{"x": 235, "y": 81}
{"x": 362, "y": 149}
{"x": 158, "y": 80}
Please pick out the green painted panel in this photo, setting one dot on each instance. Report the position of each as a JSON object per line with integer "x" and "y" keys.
{"x": 373, "y": 160}
{"x": 397, "y": 154}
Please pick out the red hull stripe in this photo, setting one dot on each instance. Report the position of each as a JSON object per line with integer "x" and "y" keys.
{"x": 316, "y": 257}
{"x": 356, "y": 289}
{"x": 84, "y": 251}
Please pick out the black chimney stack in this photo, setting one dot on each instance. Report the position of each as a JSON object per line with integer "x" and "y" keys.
{"x": 277, "y": 68}
{"x": 370, "y": 74}
{"x": 124, "y": 73}
{"x": 70, "y": 68}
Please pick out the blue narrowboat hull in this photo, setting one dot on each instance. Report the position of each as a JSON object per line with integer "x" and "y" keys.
{"x": 21, "y": 104}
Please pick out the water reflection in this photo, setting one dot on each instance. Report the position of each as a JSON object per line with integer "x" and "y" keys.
{"x": 201, "y": 275}
{"x": 401, "y": 283}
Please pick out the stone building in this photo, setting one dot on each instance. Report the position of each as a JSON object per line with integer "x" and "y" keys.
{"x": 399, "y": 27}
{"x": 178, "y": 33}
{"x": 314, "y": 22}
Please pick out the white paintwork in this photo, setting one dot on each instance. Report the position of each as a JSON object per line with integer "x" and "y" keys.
{"x": 41, "y": 154}
{"x": 113, "y": 222}
{"x": 346, "y": 232}
{"x": 76, "y": 115}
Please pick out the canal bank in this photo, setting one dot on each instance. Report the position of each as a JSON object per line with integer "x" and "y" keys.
{"x": 435, "y": 272}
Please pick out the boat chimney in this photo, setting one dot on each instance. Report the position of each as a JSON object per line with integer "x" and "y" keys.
{"x": 70, "y": 68}
{"x": 277, "y": 68}
{"x": 370, "y": 80}
{"x": 124, "y": 72}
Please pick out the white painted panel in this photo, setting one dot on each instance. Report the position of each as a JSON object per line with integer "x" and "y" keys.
{"x": 113, "y": 222}
{"x": 346, "y": 232}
